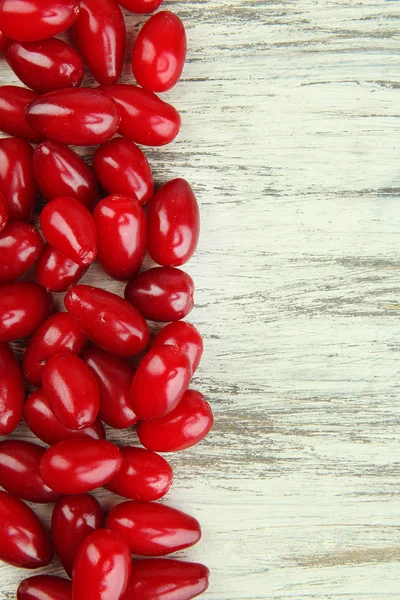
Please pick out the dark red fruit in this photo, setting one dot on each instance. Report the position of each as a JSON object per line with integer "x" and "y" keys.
{"x": 11, "y": 391}
{"x": 23, "y": 307}
{"x": 20, "y": 247}
{"x": 57, "y": 273}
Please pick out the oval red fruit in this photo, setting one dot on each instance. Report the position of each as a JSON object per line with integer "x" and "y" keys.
{"x": 73, "y": 519}
{"x": 12, "y": 394}
{"x": 14, "y": 102}
{"x": 141, "y": 7}
{"x": 185, "y": 337}
{"x": 3, "y": 211}
{"x": 23, "y": 307}
{"x": 20, "y": 247}
{"x": 44, "y": 587}
{"x": 55, "y": 272}
{"x": 17, "y": 181}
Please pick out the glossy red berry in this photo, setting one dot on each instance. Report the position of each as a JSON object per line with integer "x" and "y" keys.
{"x": 59, "y": 333}
{"x": 73, "y": 519}
{"x": 20, "y": 247}
{"x": 114, "y": 378}
{"x": 162, "y": 294}
{"x": 153, "y": 529}
{"x": 3, "y": 211}
{"x": 59, "y": 171}
{"x": 42, "y": 422}
{"x": 102, "y": 567}
{"x": 44, "y": 587}
{"x": 160, "y": 381}
{"x": 20, "y": 471}
{"x": 68, "y": 227}
{"x": 77, "y": 116}
{"x": 71, "y": 390}
{"x": 17, "y": 181}
{"x": 108, "y": 320}
{"x": 121, "y": 236}
{"x": 160, "y": 68}
{"x": 122, "y": 168}
{"x": 145, "y": 118}
{"x": 173, "y": 223}
{"x": 185, "y": 337}
{"x": 57, "y": 273}
{"x": 80, "y": 465}
{"x": 3, "y": 41}
{"x": 45, "y": 66}
{"x": 143, "y": 7}
{"x": 144, "y": 475}
{"x": 23, "y": 539}
{"x": 35, "y": 20}
{"x": 14, "y": 102}
{"x": 12, "y": 394}
{"x": 23, "y": 307}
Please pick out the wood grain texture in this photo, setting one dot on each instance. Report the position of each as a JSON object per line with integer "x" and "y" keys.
{"x": 291, "y": 140}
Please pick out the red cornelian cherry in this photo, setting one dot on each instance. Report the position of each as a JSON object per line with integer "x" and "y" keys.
{"x": 45, "y": 66}
{"x": 160, "y": 381}
{"x": 59, "y": 171}
{"x": 3, "y": 211}
{"x": 121, "y": 236}
{"x": 173, "y": 223}
{"x": 144, "y": 475}
{"x": 102, "y": 567}
{"x": 159, "y": 68}
{"x": 100, "y": 36}
{"x": 68, "y": 226}
{"x": 114, "y": 378}
{"x": 78, "y": 466}
{"x": 77, "y": 116}
{"x": 73, "y": 519}
{"x": 71, "y": 390}
{"x": 153, "y": 529}
{"x": 161, "y": 294}
{"x": 151, "y": 577}
{"x": 3, "y": 41}
{"x": 57, "y": 273}
{"x": 44, "y": 587}
{"x": 20, "y": 247}
{"x": 14, "y": 102}
{"x": 17, "y": 180}
{"x": 58, "y": 334}
{"x": 20, "y": 471}
{"x": 122, "y": 168}
{"x": 145, "y": 118}
{"x": 185, "y": 337}
{"x": 35, "y": 20}
{"x": 109, "y": 321}
{"x": 12, "y": 394}
{"x": 43, "y": 423}
{"x": 141, "y": 7}
{"x": 23, "y": 539}
{"x": 23, "y": 307}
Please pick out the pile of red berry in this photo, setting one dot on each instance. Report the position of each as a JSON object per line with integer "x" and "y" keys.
{"x": 80, "y": 361}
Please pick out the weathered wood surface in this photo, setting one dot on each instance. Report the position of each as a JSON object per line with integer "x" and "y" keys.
{"x": 291, "y": 140}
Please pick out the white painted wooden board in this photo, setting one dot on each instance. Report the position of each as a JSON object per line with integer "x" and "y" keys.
{"x": 290, "y": 138}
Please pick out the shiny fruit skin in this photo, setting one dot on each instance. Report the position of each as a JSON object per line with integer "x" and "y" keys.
{"x": 102, "y": 567}
{"x": 141, "y": 7}
{"x": 12, "y": 393}
{"x": 43, "y": 423}
{"x": 173, "y": 224}
{"x": 153, "y": 529}
{"x": 160, "y": 381}
{"x": 121, "y": 236}
{"x": 185, "y": 337}
{"x": 59, "y": 171}
{"x": 23, "y": 307}
{"x": 151, "y": 577}
{"x": 35, "y": 20}
{"x": 14, "y": 101}
{"x": 3, "y": 211}
{"x": 108, "y": 320}
{"x": 161, "y": 294}
{"x": 145, "y": 118}
{"x": 72, "y": 391}
{"x": 80, "y": 465}
{"x": 59, "y": 333}
{"x": 23, "y": 539}
{"x": 20, "y": 247}
{"x": 144, "y": 475}
{"x": 165, "y": 34}
{"x": 73, "y": 519}
{"x": 17, "y": 180}
{"x": 44, "y": 587}
{"x": 55, "y": 272}
{"x": 114, "y": 378}
{"x": 68, "y": 227}
{"x": 76, "y": 116}
{"x": 45, "y": 66}
{"x": 122, "y": 168}
{"x": 20, "y": 471}
{"x": 3, "y": 41}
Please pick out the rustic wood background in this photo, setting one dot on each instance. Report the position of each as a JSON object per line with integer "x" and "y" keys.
{"x": 291, "y": 140}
